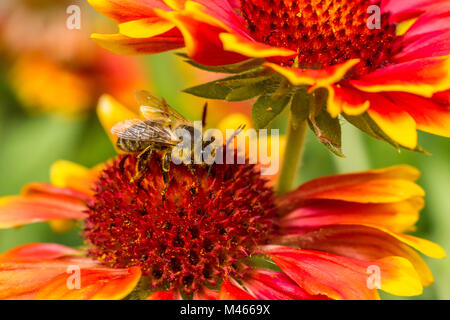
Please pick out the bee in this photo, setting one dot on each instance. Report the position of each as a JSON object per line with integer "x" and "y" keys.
{"x": 154, "y": 134}
{"x": 157, "y": 133}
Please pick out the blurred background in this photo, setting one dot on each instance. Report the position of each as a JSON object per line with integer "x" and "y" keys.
{"x": 51, "y": 78}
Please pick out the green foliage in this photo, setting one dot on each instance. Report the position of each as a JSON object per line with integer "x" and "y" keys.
{"x": 328, "y": 131}
{"x": 222, "y": 88}
{"x": 231, "y": 68}
{"x": 300, "y": 107}
{"x": 266, "y": 108}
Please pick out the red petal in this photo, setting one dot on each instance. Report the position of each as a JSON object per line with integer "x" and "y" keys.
{"x": 398, "y": 216}
{"x": 127, "y": 10}
{"x": 26, "y": 269}
{"x": 172, "y": 294}
{"x": 434, "y": 44}
{"x": 364, "y": 243}
{"x": 206, "y": 294}
{"x": 345, "y": 99}
{"x": 41, "y": 202}
{"x": 202, "y": 39}
{"x": 273, "y": 285}
{"x": 429, "y": 115}
{"x": 225, "y": 13}
{"x": 423, "y": 77}
{"x": 344, "y": 278}
{"x": 357, "y": 187}
{"x": 393, "y": 120}
{"x": 230, "y": 290}
{"x": 121, "y": 44}
{"x": 429, "y": 22}
{"x": 402, "y": 10}
{"x": 38, "y": 251}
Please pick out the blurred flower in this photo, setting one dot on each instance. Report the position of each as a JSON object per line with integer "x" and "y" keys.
{"x": 234, "y": 120}
{"x": 401, "y": 78}
{"x": 222, "y": 237}
{"x": 54, "y": 69}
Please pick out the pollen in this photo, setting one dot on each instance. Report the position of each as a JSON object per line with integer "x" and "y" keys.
{"x": 203, "y": 228}
{"x": 323, "y": 32}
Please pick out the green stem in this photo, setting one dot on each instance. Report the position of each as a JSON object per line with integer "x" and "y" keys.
{"x": 295, "y": 145}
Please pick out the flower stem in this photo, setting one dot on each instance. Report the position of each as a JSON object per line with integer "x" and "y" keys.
{"x": 295, "y": 144}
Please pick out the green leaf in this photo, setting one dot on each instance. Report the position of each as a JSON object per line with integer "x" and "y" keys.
{"x": 220, "y": 89}
{"x": 328, "y": 131}
{"x": 300, "y": 107}
{"x": 262, "y": 262}
{"x": 231, "y": 68}
{"x": 252, "y": 90}
{"x": 365, "y": 123}
{"x": 210, "y": 90}
{"x": 266, "y": 108}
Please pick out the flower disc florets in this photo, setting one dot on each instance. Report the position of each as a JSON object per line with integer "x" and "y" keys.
{"x": 201, "y": 230}
{"x": 323, "y": 32}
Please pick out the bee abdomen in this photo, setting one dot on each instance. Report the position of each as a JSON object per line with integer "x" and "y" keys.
{"x": 131, "y": 146}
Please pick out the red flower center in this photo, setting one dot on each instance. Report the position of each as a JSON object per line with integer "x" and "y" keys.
{"x": 203, "y": 229}
{"x": 323, "y": 32}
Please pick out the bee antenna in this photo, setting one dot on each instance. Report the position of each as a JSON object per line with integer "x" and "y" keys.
{"x": 234, "y": 135}
{"x": 205, "y": 111}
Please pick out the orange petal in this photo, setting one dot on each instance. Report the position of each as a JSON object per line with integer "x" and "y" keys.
{"x": 172, "y": 294}
{"x": 231, "y": 290}
{"x": 312, "y": 77}
{"x": 95, "y": 284}
{"x": 398, "y": 216}
{"x": 391, "y": 184}
{"x": 345, "y": 278}
{"x": 430, "y": 115}
{"x": 145, "y": 28}
{"x": 66, "y": 174}
{"x": 26, "y": 269}
{"x": 423, "y": 77}
{"x": 364, "y": 243}
{"x": 253, "y": 49}
{"x": 347, "y": 100}
{"x": 393, "y": 120}
{"x": 202, "y": 38}
{"x": 426, "y": 247}
{"x": 41, "y": 202}
{"x": 127, "y": 10}
{"x": 124, "y": 45}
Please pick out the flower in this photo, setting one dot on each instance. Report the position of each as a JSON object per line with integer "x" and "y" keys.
{"x": 54, "y": 69}
{"x": 225, "y": 236}
{"x": 388, "y": 80}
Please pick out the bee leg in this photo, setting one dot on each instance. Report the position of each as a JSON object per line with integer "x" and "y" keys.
{"x": 165, "y": 171}
{"x": 142, "y": 165}
{"x": 122, "y": 162}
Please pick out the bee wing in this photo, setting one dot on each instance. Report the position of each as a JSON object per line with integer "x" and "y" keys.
{"x": 121, "y": 129}
{"x": 138, "y": 130}
{"x": 153, "y": 108}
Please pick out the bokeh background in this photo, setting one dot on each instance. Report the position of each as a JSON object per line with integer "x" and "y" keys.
{"x": 51, "y": 78}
